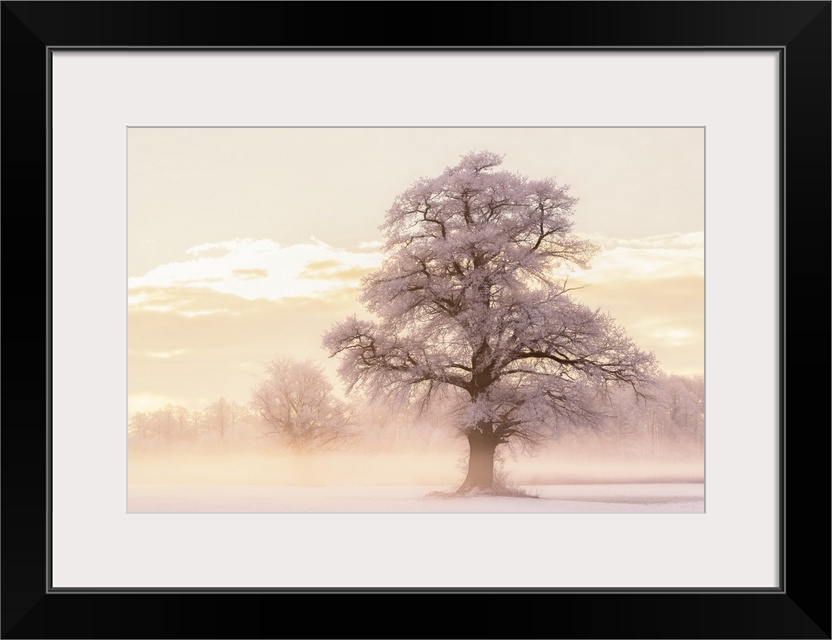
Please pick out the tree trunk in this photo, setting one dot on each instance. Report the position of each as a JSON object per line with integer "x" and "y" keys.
{"x": 480, "y": 460}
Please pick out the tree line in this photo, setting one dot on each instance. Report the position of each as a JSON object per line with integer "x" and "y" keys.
{"x": 293, "y": 408}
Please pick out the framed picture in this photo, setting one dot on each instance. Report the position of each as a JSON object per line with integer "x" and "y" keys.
{"x": 288, "y": 434}
{"x": 121, "y": 105}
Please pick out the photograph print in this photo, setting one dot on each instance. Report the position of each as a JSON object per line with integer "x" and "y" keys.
{"x": 383, "y": 320}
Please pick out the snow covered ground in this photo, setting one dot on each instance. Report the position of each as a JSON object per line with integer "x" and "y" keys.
{"x": 580, "y": 498}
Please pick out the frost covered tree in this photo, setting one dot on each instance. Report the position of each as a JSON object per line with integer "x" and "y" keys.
{"x": 472, "y": 298}
{"x": 295, "y": 402}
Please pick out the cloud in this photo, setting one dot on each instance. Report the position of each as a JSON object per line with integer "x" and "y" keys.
{"x": 221, "y": 340}
{"x": 331, "y": 270}
{"x": 250, "y": 273}
{"x": 664, "y": 256}
{"x": 324, "y": 265}
{"x": 260, "y": 269}
{"x": 164, "y": 355}
{"x": 203, "y": 327}
{"x": 664, "y": 315}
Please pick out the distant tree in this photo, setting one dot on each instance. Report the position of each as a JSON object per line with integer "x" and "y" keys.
{"x": 218, "y": 416}
{"x": 295, "y": 402}
{"x": 679, "y": 415}
{"x": 196, "y": 424}
{"x": 469, "y": 300}
{"x": 165, "y": 425}
{"x": 140, "y": 426}
{"x": 222, "y": 416}
{"x": 182, "y": 416}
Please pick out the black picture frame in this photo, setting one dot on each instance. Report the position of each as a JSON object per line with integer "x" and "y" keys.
{"x": 798, "y": 608}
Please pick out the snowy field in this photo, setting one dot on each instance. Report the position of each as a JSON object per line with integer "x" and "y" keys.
{"x": 582, "y": 498}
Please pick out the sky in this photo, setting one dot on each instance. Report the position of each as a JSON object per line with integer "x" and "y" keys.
{"x": 246, "y": 244}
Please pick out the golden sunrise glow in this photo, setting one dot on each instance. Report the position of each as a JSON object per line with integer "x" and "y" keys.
{"x": 249, "y": 243}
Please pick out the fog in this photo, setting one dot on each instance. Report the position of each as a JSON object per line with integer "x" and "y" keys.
{"x": 647, "y": 457}
{"x": 560, "y": 463}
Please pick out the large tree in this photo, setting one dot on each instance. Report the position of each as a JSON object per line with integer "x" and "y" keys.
{"x": 472, "y": 298}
